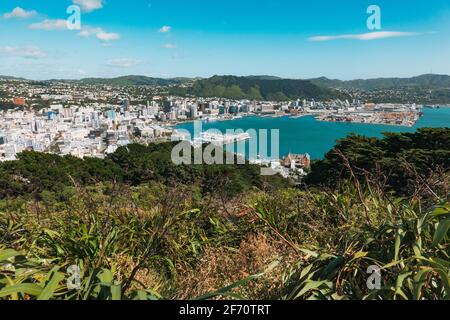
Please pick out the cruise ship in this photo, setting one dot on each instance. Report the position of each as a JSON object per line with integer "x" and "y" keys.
{"x": 219, "y": 139}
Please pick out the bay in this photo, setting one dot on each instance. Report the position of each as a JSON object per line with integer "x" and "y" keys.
{"x": 307, "y": 135}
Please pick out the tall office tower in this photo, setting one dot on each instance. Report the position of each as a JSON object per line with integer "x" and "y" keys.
{"x": 126, "y": 105}
{"x": 194, "y": 111}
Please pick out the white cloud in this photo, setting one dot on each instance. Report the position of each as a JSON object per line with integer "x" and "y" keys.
{"x": 28, "y": 52}
{"x": 99, "y": 33}
{"x": 86, "y": 31}
{"x": 170, "y": 46}
{"x": 89, "y": 5}
{"x": 123, "y": 63}
{"x": 107, "y": 36}
{"x": 165, "y": 29}
{"x": 19, "y": 13}
{"x": 49, "y": 25}
{"x": 366, "y": 36}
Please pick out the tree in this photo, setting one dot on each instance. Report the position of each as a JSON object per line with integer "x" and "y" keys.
{"x": 254, "y": 94}
{"x": 234, "y": 92}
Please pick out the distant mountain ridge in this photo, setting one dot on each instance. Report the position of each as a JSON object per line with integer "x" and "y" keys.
{"x": 257, "y": 88}
{"x": 11, "y": 78}
{"x": 132, "y": 80}
{"x": 264, "y": 77}
{"x": 432, "y": 81}
{"x": 423, "y": 81}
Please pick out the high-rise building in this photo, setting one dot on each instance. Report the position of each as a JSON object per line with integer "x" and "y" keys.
{"x": 194, "y": 111}
{"x": 110, "y": 114}
{"x": 233, "y": 109}
{"x": 51, "y": 115}
{"x": 126, "y": 105}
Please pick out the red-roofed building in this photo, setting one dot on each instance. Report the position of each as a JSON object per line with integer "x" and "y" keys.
{"x": 297, "y": 161}
{"x": 19, "y": 101}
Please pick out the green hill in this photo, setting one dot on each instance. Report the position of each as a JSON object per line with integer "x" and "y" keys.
{"x": 132, "y": 81}
{"x": 10, "y": 78}
{"x": 257, "y": 88}
{"x": 423, "y": 81}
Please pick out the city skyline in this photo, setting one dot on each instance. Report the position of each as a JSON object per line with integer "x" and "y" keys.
{"x": 290, "y": 39}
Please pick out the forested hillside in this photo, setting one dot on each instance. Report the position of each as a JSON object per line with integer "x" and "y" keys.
{"x": 130, "y": 81}
{"x": 424, "y": 81}
{"x": 395, "y": 160}
{"x": 34, "y": 173}
{"x": 257, "y": 88}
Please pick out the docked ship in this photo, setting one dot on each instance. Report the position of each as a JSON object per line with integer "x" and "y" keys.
{"x": 220, "y": 139}
{"x": 210, "y": 119}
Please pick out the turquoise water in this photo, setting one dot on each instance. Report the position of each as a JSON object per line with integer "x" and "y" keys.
{"x": 306, "y": 135}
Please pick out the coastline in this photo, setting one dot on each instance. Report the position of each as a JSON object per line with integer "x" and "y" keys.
{"x": 370, "y": 123}
{"x": 308, "y": 135}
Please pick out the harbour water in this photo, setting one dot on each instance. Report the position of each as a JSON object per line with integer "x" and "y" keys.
{"x": 306, "y": 135}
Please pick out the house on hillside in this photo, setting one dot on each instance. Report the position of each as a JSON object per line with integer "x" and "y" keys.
{"x": 297, "y": 161}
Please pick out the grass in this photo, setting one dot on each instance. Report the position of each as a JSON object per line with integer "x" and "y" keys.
{"x": 154, "y": 242}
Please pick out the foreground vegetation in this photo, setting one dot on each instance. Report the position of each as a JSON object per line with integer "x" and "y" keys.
{"x": 213, "y": 232}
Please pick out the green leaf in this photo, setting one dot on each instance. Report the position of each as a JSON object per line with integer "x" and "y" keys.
{"x": 399, "y": 284}
{"x": 417, "y": 247}
{"x": 51, "y": 286}
{"x": 106, "y": 277}
{"x": 310, "y": 253}
{"x": 443, "y": 264}
{"x": 142, "y": 295}
{"x": 305, "y": 271}
{"x": 227, "y": 290}
{"x": 8, "y": 253}
{"x": 116, "y": 292}
{"x": 419, "y": 282}
{"x": 360, "y": 255}
{"x": 440, "y": 211}
{"x": 446, "y": 282}
{"x": 441, "y": 232}
{"x": 310, "y": 286}
{"x": 398, "y": 242}
{"x": 24, "y": 288}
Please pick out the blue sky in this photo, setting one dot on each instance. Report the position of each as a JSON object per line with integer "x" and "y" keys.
{"x": 168, "y": 38}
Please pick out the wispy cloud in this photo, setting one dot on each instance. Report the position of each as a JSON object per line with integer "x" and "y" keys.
{"x": 123, "y": 63}
{"x": 165, "y": 29}
{"x": 49, "y": 25}
{"x": 86, "y": 31}
{"x": 107, "y": 36}
{"x": 89, "y": 5}
{"x": 19, "y": 13}
{"x": 28, "y": 52}
{"x": 366, "y": 36}
{"x": 99, "y": 33}
{"x": 170, "y": 46}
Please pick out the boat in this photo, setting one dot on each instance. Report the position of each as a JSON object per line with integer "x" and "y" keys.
{"x": 210, "y": 119}
{"x": 220, "y": 139}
